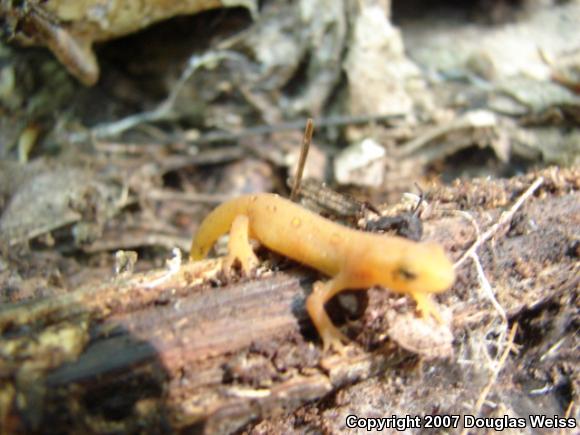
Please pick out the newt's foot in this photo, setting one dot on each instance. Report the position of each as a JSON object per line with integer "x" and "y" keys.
{"x": 331, "y": 337}
{"x": 239, "y": 247}
{"x": 248, "y": 264}
{"x": 334, "y": 339}
{"x": 426, "y": 307}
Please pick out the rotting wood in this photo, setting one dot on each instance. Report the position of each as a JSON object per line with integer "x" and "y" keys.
{"x": 192, "y": 352}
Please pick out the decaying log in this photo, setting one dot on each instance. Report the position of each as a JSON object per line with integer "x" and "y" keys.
{"x": 190, "y": 350}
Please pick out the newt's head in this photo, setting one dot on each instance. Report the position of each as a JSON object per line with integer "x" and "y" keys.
{"x": 422, "y": 268}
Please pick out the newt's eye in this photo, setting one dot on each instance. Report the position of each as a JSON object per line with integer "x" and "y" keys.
{"x": 406, "y": 274}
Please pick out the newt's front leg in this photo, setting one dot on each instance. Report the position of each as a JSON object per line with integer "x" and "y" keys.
{"x": 426, "y": 306}
{"x": 322, "y": 293}
{"x": 239, "y": 247}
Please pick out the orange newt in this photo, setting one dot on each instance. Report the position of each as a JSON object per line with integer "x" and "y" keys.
{"x": 353, "y": 259}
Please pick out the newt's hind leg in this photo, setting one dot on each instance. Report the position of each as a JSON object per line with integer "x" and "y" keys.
{"x": 239, "y": 247}
{"x": 322, "y": 293}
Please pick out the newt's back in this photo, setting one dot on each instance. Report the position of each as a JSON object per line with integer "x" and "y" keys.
{"x": 280, "y": 225}
{"x": 297, "y": 233}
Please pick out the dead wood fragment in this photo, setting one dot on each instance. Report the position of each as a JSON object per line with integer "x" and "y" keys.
{"x": 182, "y": 349}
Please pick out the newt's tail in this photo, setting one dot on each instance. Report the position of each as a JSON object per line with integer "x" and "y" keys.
{"x": 216, "y": 224}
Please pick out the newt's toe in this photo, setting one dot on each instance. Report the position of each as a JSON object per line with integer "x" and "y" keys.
{"x": 334, "y": 339}
{"x": 427, "y": 307}
{"x": 247, "y": 265}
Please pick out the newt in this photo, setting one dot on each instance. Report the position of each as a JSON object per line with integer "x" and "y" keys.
{"x": 353, "y": 259}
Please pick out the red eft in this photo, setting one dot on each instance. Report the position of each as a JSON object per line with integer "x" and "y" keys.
{"x": 352, "y": 259}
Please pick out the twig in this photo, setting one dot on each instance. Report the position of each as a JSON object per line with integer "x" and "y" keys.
{"x": 486, "y": 286}
{"x": 421, "y": 200}
{"x": 163, "y": 110}
{"x": 567, "y": 414}
{"x": 504, "y": 219}
{"x": 553, "y": 349}
{"x": 261, "y": 130}
{"x": 332, "y": 121}
{"x": 306, "y": 141}
{"x": 483, "y": 281}
{"x": 501, "y": 362}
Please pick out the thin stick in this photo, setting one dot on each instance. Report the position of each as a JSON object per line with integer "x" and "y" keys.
{"x": 306, "y": 141}
{"x": 567, "y": 414}
{"x": 163, "y": 110}
{"x": 486, "y": 286}
{"x": 492, "y": 380}
{"x": 504, "y": 219}
{"x": 501, "y": 363}
{"x": 332, "y": 121}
